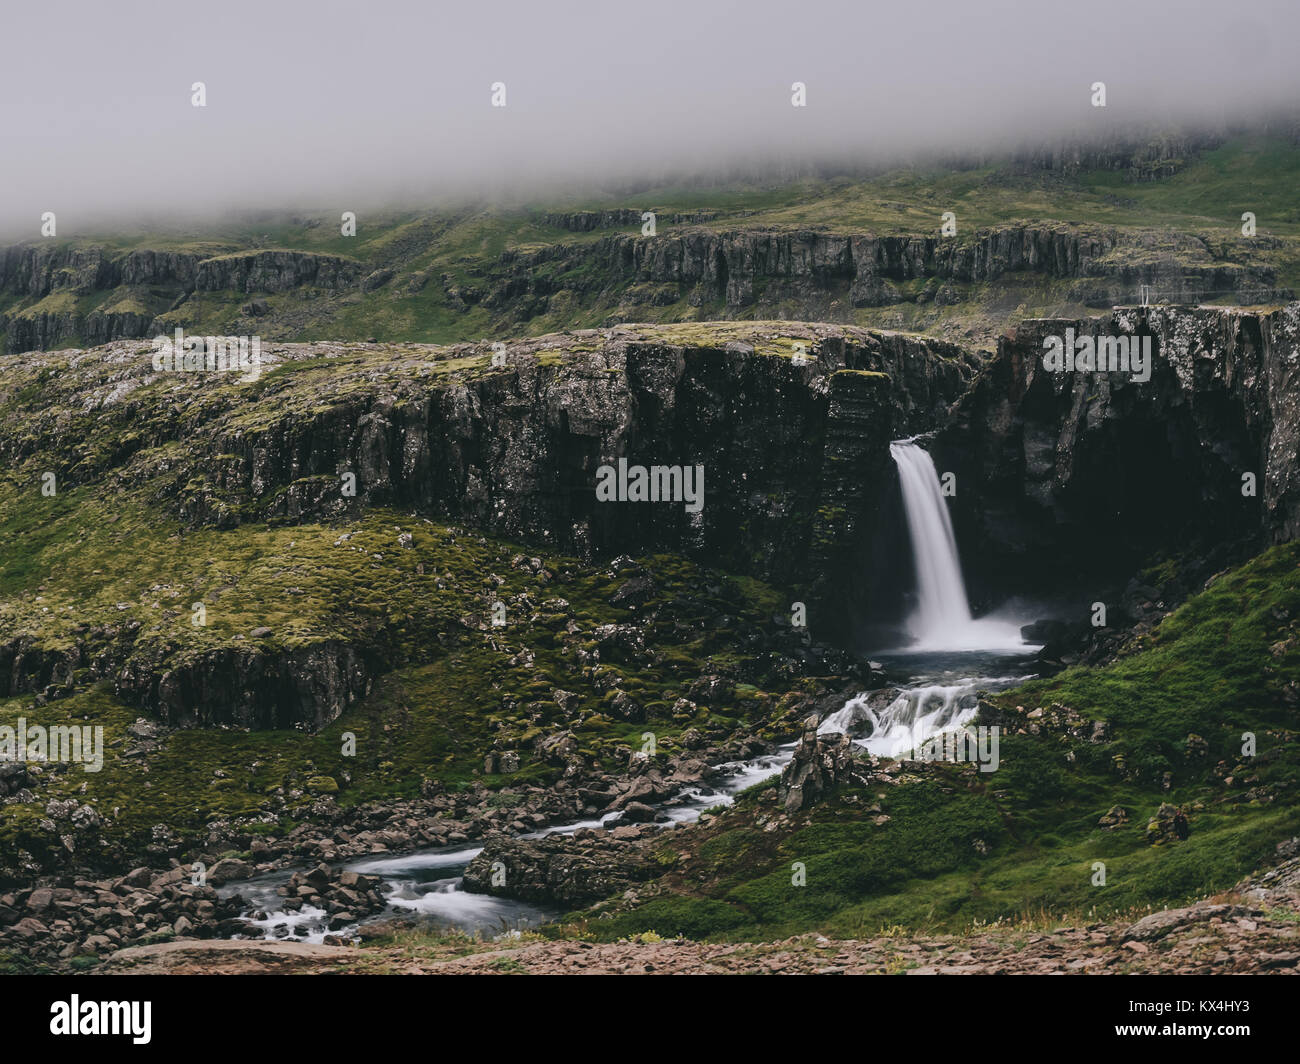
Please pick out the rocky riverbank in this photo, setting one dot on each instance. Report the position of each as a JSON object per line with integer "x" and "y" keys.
{"x": 1251, "y": 930}
{"x": 59, "y": 919}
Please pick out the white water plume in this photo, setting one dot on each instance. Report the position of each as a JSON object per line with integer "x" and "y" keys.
{"x": 941, "y": 619}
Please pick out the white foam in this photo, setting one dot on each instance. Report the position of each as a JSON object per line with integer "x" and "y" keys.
{"x": 941, "y": 620}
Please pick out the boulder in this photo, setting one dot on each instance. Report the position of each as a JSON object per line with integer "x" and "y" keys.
{"x": 229, "y": 869}
{"x": 819, "y": 765}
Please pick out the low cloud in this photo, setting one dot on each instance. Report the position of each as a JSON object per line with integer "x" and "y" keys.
{"x": 336, "y": 106}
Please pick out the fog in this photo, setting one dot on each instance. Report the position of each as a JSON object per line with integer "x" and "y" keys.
{"x": 342, "y": 105}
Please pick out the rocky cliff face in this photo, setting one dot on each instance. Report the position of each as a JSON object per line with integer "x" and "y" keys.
{"x": 1079, "y": 473}
{"x": 249, "y": 687}
{"x": 747, "y": 271}
{"x": 275, "y": 271}
{"x": 39, "y": 269}
{"x": 748, "y": 268}
{"x": 794, "y": 455}
{"x": 1157, "y": 154}
{"x": 145, "y": 277}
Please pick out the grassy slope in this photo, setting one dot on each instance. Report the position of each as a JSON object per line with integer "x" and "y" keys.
{"x": 1204, "y": 201}
{"x": 1225, "y": 663}
{"x": 432, "y": 716}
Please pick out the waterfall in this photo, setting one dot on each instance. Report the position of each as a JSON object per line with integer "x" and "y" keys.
{"x": 913, "y": 715}
{"x": 941, "y": 602}
{"x": 942, "y": 618}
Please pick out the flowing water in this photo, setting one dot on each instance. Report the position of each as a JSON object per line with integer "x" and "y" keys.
{"x": 941, "y": 620}
{"x": 953, "y": 656}
{"x": 428, "y": 883}
{"x": 940, "y": 696}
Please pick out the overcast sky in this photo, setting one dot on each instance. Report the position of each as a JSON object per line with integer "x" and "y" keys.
{"x": 330, "y": 105}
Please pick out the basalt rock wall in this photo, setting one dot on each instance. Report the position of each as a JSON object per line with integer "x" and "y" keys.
{"x": 1073, "y": 475}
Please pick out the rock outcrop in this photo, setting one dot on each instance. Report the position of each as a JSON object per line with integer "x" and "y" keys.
{"x": 568, "y": 871}
{"x": 794, "y": 449}
{"x": 136, "y": 288}
{"x": 249, "y": 688}
{"x": 769, "y": 269}
{"x": 820, "y": 764}
{"x": 1094, "y": 471}
{"x": 42, "y": 268}
{"x": 276, "y": 271}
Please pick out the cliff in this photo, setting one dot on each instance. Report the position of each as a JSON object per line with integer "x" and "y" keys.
{"x": 1060, "y": 478}
{"x": 794, "y": 453}
{"x": 1083, "y": 473}
{"x": 747, "y": 268}
{"x": 72, "y": 293}
{"x": 695, "y": 267}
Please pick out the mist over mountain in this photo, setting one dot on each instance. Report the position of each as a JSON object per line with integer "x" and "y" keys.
{"x": 353, "y": 107}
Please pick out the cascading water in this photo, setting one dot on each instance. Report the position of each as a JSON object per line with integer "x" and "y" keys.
{"x": 428, "y": 883}
{"x": 941, "y": 604}
{"x": 894, "y": 724}
{"x": 948, "y": 644}
{"x": 941, "y": 620}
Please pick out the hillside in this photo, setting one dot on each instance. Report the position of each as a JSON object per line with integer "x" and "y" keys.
{"x": 1048, "y": 234}
{"x": 297, "y": 680}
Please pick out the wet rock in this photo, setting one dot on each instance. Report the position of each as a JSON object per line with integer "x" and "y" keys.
{"x": 559, "y": 870}
{"x": 819, "y": 765}
{"x": 1045, "y": 632}
{"x": 229, "y": 869}
{"x": 634, "y": 813}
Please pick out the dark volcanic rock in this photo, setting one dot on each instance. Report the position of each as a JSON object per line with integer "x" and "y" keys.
{"x": 563, "y": 870}
{"x": 1088, "y": 474}
{"x": 248, "y": 686}
{"x": 819, "y": 765}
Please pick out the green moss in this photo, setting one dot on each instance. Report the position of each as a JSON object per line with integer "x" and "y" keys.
{"x": 962, "y": 847}
{"x": 59, "y": 301}
{"x": 111, "y": 565}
